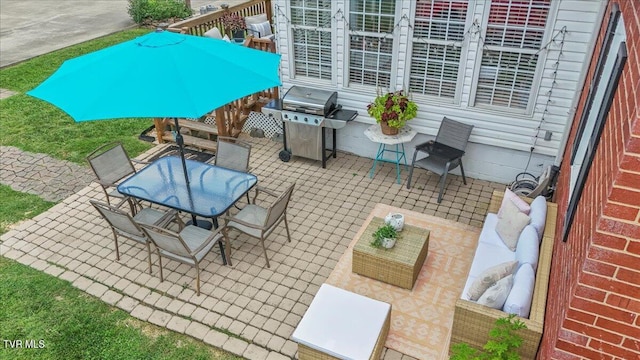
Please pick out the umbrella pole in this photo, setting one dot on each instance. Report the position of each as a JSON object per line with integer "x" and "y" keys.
{"x": 180, "y": 142}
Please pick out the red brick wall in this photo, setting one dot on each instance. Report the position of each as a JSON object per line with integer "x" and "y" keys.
{"x": 593, "y": 308}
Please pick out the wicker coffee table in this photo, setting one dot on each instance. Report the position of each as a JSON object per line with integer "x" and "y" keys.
{"x": 397, "y": 266}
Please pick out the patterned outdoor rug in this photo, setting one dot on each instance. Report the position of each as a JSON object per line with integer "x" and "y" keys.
{"x": 421, "y": 318}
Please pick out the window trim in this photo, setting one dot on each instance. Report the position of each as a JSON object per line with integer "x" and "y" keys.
{"x": 594, "y": 140}
{"x": 539, "y": 71}
{"x": 395, "y": 49}
{"x": 293, "y": 77}
{"x": 614, "y": 17}
{"x": 464, "y": 55}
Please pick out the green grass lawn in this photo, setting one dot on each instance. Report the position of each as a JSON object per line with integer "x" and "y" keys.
{"x": 37, "y": 126}
{"x": 74, "y": 325}
{"x": 34, "y": 305}
{"x": 17, "y": 206}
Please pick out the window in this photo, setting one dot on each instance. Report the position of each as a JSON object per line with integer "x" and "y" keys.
{"x": 514, "y": 36}
{"x": 371, "y": 23}
{"x": 438, "y": 32}
{"x": 311, "y": 20}
{"x": 604, "y": 84}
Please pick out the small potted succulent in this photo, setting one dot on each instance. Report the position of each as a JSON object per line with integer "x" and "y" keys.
{"x": 385, "y": 236}
{"x": 234, "y": 25}
{"x": 392, "y": 111}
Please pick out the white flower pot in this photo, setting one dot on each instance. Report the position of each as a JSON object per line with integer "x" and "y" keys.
{"x": 396, "y": 220}
{"x": 388, "y": 243}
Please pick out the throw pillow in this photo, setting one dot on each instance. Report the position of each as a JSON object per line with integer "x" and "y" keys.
{"x": 538, "y": 214}
{"x": 260, "y": 30}
{"x": 496, "y": 295}
{"x": 490, "y": 277}
{"x": 511, "y": 224}
{"x": 519, "y": 300}
{"x": 517, "y": 201}
{"x": 528, "y": 248}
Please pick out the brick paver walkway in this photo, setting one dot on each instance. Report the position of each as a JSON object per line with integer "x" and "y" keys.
{"x": 247, "y": 309}
{"x": 42, "y": 175}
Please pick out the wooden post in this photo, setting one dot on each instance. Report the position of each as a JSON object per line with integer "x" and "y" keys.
{"x": 160, "y": 126}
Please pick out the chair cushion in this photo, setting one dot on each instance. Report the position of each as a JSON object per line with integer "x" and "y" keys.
{"x": 252, "y": 214}
{"x": 511, "y": 224}
{"x": 519, "y": 300}
{"x": 489, "y": 277}
{"x": 538, "y": 214}
{"x": 255, "y": 19}
{"x": 528, "y": 248}
{"x": 214, "y": 33}
{"x": 496, "y": 295}
{"x": 517, "y": 201}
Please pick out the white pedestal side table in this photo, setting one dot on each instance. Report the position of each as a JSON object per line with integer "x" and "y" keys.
{"x": 374, "y": 133}
{"x": 340, "y": 324}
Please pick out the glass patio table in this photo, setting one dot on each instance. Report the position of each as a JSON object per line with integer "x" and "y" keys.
{"x": 211, "y": 191}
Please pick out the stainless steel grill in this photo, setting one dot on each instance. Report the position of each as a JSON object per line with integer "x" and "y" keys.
{"x": 305, "y": 113}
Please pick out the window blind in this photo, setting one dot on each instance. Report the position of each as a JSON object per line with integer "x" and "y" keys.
{"x": 438, "y": 32}
{"x": 311, "y": 34}
{"x": 513, "y": 38}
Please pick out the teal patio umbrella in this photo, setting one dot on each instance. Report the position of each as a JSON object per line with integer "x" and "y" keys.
{"x": 160, "y": 74}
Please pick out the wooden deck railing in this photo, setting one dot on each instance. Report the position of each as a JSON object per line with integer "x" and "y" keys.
{"x": 231, "y": 117}
{"x": 198, "y": 25}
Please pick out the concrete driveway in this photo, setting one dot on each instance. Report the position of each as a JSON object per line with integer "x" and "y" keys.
{"x": 29, "y": 28}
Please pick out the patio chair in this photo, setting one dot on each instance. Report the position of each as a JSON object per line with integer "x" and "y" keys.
{"x": 259, "y": 26}
{"x": 440, "y": 159}
{"x": 232, "y": 153}
{"x": 189, "y": 246}
{"x": 111, "y": 164}
{"x": 122, "y": 224}
{"x": 259, "y": 222}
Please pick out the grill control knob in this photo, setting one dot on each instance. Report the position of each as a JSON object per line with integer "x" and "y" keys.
{"x": 286, "y": 116}
{"x": 306, "y": 119}
{"x": 316, "y": 121}
{"x": 295, "y": 117}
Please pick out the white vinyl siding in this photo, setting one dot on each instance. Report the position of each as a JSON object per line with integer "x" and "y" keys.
{"x": 496, "y": 127}
{"x": 371, "y": 23}
{"x": 311, "y": 36}
{"x": 438, "y": 34}
{"x": 510, "y": 50}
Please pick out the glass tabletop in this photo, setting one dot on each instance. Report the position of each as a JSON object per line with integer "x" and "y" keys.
{"x": 212, "y": 190}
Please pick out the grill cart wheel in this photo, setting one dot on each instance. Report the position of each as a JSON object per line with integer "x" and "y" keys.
{"x": 284, "y": 155}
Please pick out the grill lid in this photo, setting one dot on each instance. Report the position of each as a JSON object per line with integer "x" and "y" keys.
{"x": 309, "y": 100}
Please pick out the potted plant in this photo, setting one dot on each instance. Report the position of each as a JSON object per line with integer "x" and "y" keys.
{"x": 385, "y": 236}
{"x": 234, "y": 25}
{"x": 392, "y": 111}
{"x": 503, "y": 343}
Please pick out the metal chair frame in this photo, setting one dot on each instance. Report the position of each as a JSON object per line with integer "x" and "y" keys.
{"x": 453, "y": 134}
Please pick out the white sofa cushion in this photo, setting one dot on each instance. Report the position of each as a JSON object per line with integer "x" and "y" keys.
{"x": 519, "y": 300}
{"x": 496, "y": 295}
{"x": 489, "y": 277}
{"x": 516, "y": 200}
{"x": 538, "y": 214}
{"x": 528, "y": 248}
{"x": 511, "y": 224}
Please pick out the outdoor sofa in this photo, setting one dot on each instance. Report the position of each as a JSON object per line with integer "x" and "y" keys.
{"x": 472, "y": 321}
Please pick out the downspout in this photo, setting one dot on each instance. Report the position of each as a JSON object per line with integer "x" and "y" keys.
{"x": 581, "y": 81}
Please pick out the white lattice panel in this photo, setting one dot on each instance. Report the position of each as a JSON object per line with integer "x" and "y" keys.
{"x": 269, "y": 125}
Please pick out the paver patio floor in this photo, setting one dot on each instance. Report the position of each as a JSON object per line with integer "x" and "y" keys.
{"x": 247, "y": 309}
